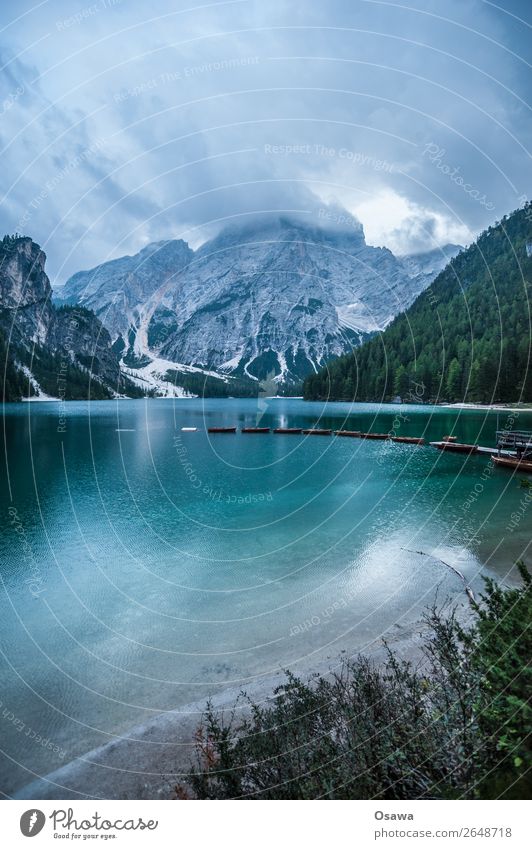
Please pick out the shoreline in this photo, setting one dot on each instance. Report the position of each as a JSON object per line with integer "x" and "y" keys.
{"x": 148, "y": 760}
{"x": 498, "y": 408}
{"x": 517, "y": 407}
{"x": 152, "y": 757}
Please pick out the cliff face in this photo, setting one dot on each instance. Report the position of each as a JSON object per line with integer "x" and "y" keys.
{"x": 25, "y": 291}
{"x": 277, "y": 296}
{"x": 467, "y": 340}
{"x": 78, "y": 335}
{"x": 117, "y": 291}
{"x": 50, "y": 351}
{"x": 273, "y": 298}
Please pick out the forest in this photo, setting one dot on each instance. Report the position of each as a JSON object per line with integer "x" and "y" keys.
{"x": 466, "y": 338}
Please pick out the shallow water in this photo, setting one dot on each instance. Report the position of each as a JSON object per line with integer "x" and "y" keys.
{"x": 144, "y": 567}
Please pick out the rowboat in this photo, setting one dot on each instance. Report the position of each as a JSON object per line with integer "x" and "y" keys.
{"x": 287, "y": 430}
{"x": 514, "y": 463}
{"x": 411, "y": 440}
{"x": 352, "y": 433}
{"x": 317, "y": 432}
{"x": 374, "y": 435}
{"x": 221, "y": 429}
{"x": 255, "y": 430}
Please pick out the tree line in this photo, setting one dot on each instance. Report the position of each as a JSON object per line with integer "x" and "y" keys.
{"x": 466, "y": 338}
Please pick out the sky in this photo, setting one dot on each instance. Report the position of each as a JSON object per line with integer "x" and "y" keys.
{"x": 124, "y": 122}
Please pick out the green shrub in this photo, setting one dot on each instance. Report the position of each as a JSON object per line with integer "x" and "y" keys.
{"x": 454, "y": 726}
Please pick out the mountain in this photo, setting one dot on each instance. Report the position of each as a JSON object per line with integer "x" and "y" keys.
{"x": 426, "y": 265}
{"x": 117, "y": 290}
{"x": 274, "y": 298}
{"x": 46, "y": 351}
{"x": 466, "y": 338}
{"x": 24, "y": 290}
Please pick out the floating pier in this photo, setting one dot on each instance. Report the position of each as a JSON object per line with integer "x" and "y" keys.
{"x": 457, "y": 447}
{"x": 448, "y": 443}
{"x": 515, "y": 440}
{"x": 480, "y": 449}
{"x": 513, "y": 451}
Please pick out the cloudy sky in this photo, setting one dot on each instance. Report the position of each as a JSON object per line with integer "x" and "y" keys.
{"x": 124, "y": 122}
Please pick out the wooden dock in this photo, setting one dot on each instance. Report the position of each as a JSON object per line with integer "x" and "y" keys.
{"x": 508, "y": 443}
{"x": 480, "y": 449}
{"x": 515, "y": 440}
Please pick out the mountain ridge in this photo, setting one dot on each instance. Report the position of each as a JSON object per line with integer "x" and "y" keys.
{"x": 464, "y": 339}
{"x": 45, "y": 351}
{"x": 272, "y": 297}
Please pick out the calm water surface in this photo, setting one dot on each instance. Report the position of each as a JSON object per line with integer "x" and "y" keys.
{"x": 143, "y": 567}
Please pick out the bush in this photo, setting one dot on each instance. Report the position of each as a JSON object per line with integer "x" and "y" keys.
{"x": 455, "y": 726}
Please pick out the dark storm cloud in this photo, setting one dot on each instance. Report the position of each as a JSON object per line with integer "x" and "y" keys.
{"x": 122, "y": 124}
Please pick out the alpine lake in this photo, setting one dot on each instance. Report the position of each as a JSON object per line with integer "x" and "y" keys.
{"x": 145, "y": 567}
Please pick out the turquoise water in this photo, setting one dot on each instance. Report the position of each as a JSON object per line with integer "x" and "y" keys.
{"x": 144, "y": 567}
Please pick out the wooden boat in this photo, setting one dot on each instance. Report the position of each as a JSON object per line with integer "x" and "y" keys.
{"x": 410, "y": 440}
{"x": 521, "y": 465}
{"x": 352, "y": 433}
{"x": 314, "y": 431}
{"x": 287, "y": 430}
{"x": 221, "y": 429}
{"x": 255, "y": 430}
{"x": 459, "y": 447}
{"x": 374, "y": 435}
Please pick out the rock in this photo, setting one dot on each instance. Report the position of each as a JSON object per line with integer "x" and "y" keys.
{"x": 63, "y": 351}
{"x": 25, "y": 290}
{"x": 118, "y": 290}
{"x": 274, "y": 297}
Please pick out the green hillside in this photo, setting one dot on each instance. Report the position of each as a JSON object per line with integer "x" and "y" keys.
{"x": 466, "y": 338}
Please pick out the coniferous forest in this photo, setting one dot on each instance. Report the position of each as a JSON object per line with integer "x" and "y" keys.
{"x": 465, "y": 338}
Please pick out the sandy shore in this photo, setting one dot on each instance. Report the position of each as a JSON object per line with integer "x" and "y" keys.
{"x": 501, "y": 408}
{"x": 152, "y": 758}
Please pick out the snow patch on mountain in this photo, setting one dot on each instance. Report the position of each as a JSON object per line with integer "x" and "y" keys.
{"x": 355, "y": 317}
{"x": 275, "y": 298}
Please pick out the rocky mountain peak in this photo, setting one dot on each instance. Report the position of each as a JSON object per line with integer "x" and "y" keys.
{"x": 25, "y": 290}
{"x": 50, "y": 352}
{"x": 270, "y": 295}
{"x": 23, "y": 280}
{"x": 291, "y": 228}
{"x": 118, "y": 289}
